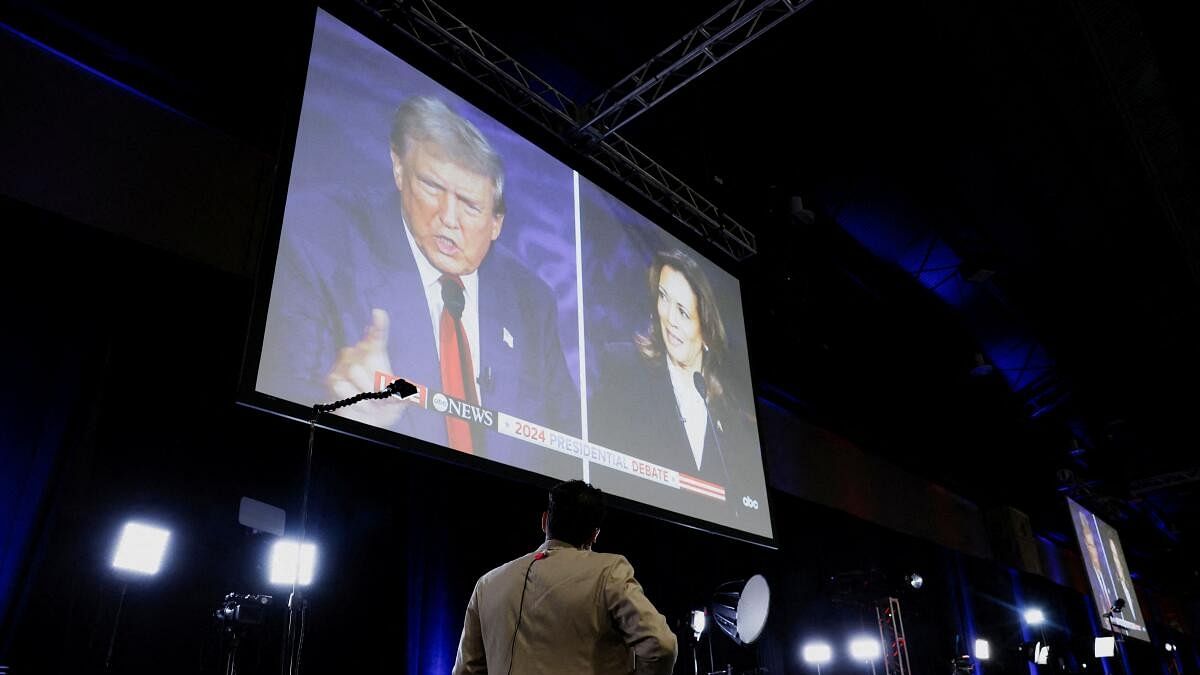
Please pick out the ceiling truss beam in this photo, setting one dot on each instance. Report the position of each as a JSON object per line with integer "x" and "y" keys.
{"x": 443, "y": 34}
{"x": 720, "y": 36}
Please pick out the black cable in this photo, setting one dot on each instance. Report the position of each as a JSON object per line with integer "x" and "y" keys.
{"x": 512, "y": 647}
{"x": 402, "y": 387}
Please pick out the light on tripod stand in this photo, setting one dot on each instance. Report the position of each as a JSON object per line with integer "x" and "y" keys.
{"x": 1034, "y": 617}
{"x": 983, "y": 651}
{"x": 292, "y": 562}
{"x": 698, "y": 622}
{"x": 865, "y": 649}
{"x": 817, "y": 653}
{"x": 141, "y": 548}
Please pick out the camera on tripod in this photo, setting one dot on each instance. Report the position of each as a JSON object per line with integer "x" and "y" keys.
{"x": 242, "y": 609}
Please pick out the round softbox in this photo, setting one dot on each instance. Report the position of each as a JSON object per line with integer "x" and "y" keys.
{"x": 740, "y": 608}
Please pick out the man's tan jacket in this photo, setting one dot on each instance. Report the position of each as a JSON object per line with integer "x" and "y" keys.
{"x": 582, "y": 612}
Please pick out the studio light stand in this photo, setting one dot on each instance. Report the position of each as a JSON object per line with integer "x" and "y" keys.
{"x": 112, "y": 638}
{"x": 297, "y": 608}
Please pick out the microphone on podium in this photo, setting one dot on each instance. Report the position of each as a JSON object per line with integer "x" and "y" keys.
{"x": 701, "y": 385}
{"x": 402, "y": 388}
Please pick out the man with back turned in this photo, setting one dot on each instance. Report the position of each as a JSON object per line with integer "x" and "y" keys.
{"x": 565, "y": 608}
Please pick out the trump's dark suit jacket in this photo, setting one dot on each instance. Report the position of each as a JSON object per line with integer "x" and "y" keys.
{"x": 341, "y": 257}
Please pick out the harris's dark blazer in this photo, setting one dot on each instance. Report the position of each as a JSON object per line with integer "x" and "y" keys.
{"x": 633, "y": 410}
{"x": 343, "y": 256}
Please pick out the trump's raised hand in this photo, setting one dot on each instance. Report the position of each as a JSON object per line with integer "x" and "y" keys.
{"x": 354, "y": 372}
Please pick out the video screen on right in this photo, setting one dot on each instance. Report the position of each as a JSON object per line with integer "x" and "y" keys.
{"x": 668, "y": 371}
{"x": 1108, "y": 574}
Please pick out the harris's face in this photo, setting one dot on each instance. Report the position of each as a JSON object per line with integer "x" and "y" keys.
{"x": 449, "y": 208}
{"x": 678, "y": 318}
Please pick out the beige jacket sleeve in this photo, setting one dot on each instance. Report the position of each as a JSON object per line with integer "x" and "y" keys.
{"x": 471, "y": 658}
{"x": 642, "y": 627}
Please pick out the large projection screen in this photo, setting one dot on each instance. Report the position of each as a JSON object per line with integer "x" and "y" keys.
{"x": 1108, "y": 574}
{"x": 548, "y": 326}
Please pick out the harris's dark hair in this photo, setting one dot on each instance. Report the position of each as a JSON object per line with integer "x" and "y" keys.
{"x": 712, "y": 328}
{"x": 576, "y": 510}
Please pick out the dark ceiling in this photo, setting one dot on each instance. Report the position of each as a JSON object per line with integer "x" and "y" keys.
{"x": 1051, "y": 143}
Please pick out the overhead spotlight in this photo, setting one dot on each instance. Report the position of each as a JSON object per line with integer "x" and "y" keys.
{"x": 698, "y": 622}
{"x": 915, "y": 580}
{"x": 292, "y": 562}
{"x": 1105, "y": 647}
{"x": 865, "y": 649}
{"x": 141, "y": 548}
{"x": 983, "y": 651}
{"x": 817, "y": 653}
{"x": 1034, "y": 617}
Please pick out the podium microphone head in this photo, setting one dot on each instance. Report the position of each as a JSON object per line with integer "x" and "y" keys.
{"x": 452, "y": 296}
{"x": 701, "y": 384}
{"x": 402, "y": 388}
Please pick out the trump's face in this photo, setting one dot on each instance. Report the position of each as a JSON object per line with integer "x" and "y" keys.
{"x": 449, "y": 208}
{"x": 678, "y": 318}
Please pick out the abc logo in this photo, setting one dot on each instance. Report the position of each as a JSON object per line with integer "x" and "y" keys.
{"x": 750, "y": 503}
{"x": 440, "y": 403}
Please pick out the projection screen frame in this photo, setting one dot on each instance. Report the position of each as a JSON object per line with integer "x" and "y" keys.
{"x": 419, "y": 58}
{"x": 1123, "y": 576}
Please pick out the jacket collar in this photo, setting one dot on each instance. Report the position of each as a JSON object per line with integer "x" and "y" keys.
{"x": 552, "y": 544}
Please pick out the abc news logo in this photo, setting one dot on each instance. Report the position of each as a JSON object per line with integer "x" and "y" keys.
{"x": 750, "y": 503}
{"x": 452, "y": 406}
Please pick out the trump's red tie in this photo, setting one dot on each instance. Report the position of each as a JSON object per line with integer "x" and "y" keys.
{"x": 457, "y": 368}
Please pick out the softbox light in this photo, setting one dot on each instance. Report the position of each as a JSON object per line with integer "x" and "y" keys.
{"x": 740, "y": 608}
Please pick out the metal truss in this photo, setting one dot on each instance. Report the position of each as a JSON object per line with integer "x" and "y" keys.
{"x": 1163, "y": 481}
{"x": 891, "y": 635}
{"x": 719, "y": 37}
{"x": 653, "y": 181}
{"x": 475, "y": 56}
{"x": 470, "y": 53}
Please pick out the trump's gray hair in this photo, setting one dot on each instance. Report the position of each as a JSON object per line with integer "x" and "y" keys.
{"x": 426, "y": 119}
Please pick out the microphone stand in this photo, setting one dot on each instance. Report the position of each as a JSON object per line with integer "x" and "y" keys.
{"x": 297, "y": 605}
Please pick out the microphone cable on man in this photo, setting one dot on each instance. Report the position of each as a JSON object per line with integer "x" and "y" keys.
{"x": 512, "y": 647}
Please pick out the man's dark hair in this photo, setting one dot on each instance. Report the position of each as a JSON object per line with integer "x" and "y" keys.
{"x": 576, "y": 510}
